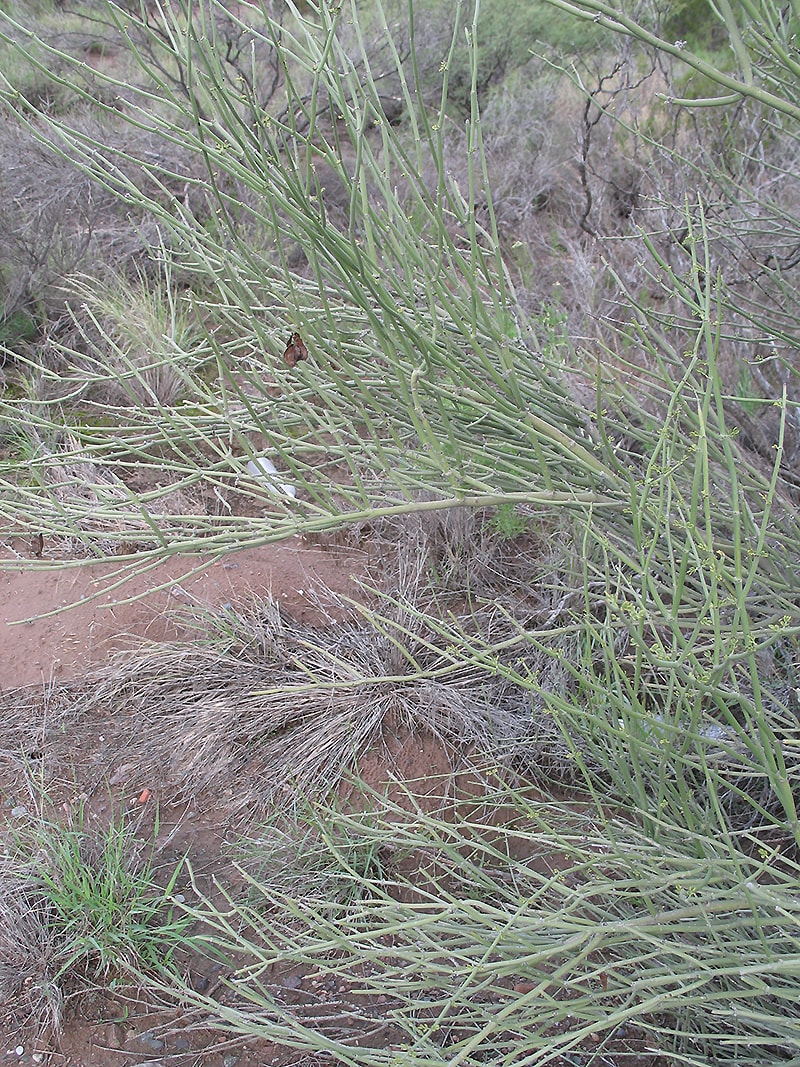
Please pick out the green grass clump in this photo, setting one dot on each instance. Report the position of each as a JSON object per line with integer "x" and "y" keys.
{"x": 80, "y": 908}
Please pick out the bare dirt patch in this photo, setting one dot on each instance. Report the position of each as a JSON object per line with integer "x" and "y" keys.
{"x": 38, "y": 646}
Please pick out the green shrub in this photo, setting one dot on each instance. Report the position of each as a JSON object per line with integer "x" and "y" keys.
{"x": 696, "y": 23}
{"x": 18, "y": 328}
{"x": 507, "y": 33}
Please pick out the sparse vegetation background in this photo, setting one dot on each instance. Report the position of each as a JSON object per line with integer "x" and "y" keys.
{"x": 511, "y": 291}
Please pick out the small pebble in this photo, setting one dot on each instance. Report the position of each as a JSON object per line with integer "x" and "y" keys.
{"x": 19, "y": 812}
{"x": 151, "y": 1042}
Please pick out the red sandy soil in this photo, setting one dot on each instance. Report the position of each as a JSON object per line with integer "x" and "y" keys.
{"x": 37, "y": 646}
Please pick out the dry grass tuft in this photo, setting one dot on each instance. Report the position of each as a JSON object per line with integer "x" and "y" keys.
{"x": 30, "y": 997}
{"x": 271, "y": 703}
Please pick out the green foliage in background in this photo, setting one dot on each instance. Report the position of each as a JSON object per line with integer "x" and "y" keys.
{"x": 509, "y": 33}
{"x": 17, "y": 328}
{"x": 696, "y": 23}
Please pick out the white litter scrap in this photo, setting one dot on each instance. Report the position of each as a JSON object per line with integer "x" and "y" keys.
{"x": 265, "y": 471}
